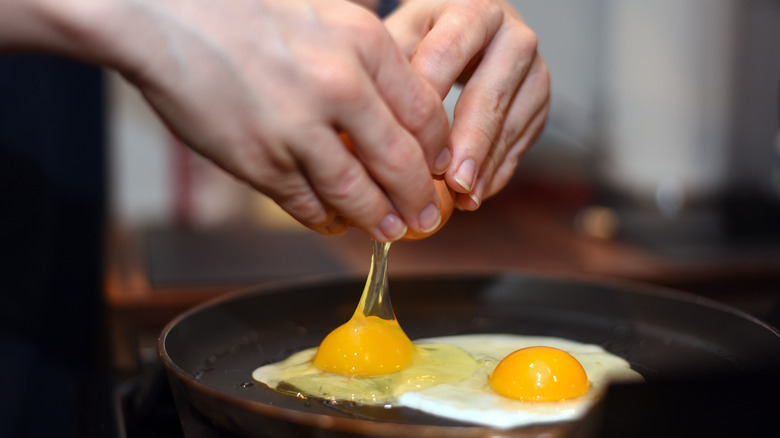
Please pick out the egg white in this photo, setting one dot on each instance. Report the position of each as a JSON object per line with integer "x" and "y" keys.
{"x": 432, "y": 364}
{"x": 474, "y": 401}
{"x": 466, "y": 395}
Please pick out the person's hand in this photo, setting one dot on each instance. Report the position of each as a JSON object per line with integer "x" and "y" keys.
{"x": 503, "y": 106}
{"x": 263, "y": 88}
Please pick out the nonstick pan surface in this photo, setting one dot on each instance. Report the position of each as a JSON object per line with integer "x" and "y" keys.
{"x": 211, "y": 351}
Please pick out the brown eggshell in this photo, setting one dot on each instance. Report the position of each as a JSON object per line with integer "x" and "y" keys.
{"x": 447, "y": 198}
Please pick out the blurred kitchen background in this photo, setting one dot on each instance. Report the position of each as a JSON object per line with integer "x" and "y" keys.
{"x": 660, "y": 163}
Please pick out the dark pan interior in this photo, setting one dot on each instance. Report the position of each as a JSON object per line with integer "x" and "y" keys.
{"x": 212, "y": 350}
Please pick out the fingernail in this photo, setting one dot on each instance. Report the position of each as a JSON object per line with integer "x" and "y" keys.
{"x": 430, "y": 218}
{"x": 465, "y": 174}
{"x": 390, "y": 229}
{"x": 475, "y": 200}
{"x": 470, "y": 203}
{"x": 442, "y": 162}
{"x": 476, "y": 195}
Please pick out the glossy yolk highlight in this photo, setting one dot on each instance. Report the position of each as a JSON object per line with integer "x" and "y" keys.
{"x": 365, "y": 346}
{"x": 539, "y": 374}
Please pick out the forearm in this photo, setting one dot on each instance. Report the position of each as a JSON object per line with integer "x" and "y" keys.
{"x": 107, "y": 32}
{"x": 84, "y": 29}
{"x": 261, "y": 88}
{"x": 41, "y": 25}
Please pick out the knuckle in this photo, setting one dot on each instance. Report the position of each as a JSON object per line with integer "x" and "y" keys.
{"x": 491, "y": 13}
{"x": 484, "y": 134}
{"x": 424, "y": 108}
{"x": 529, "y": 41}
{"x": 335, "y": 83}
{"x": 524, "y": 38}
{"x": 355, "y": 196}
{"x": 490, "y": 121}
{"x": 400, "y": 159}
{"x": 445, "y": 48}
{"x": 263, "y": 167}
{"x": 350, "y": 194}
{"x": 489, "y": 9}
{"x": 500, "y": 99}
{"x": 511, "y": 134}
{"x": 249, "y": 161}
{"x": 305, "y": 207}
{"x": 346, "y": 183}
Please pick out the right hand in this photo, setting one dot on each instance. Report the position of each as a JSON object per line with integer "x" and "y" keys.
{"x": 503, "y": 107}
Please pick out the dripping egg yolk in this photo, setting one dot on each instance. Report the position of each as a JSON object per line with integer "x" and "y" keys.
{"x": 539, "y": 374}
{"x": 365, "y": 346}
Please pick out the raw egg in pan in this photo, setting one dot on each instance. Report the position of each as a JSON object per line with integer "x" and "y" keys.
{"x": 498, "y": 380}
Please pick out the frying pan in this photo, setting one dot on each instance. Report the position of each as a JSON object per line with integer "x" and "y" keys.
{"x": 211, "y": 350}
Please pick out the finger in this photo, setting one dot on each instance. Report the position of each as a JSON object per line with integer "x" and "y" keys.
{"x": 395, "y": 162}
{"x": 294, "y": 194}
{"x": 480, "y": 112}
{"x": 460, "y": 31}
{"x": 526, "y": 112}
{"x": 316, "y": 180}
{"x": 407, "y": 29}
{"x": 345, "y": 185}
{"x": 523, "y": 125}
{"x": 506, "y": 167}
{"x": 398, "y": 126}
{"x": 415, "y": 105}
{"x": 497, "y": 173}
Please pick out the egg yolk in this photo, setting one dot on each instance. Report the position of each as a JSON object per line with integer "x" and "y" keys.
{"x": 365, "y": 346}
{"x": 539, "y": 374}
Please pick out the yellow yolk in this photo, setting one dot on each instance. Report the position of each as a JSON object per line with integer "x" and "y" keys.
{"x": 365, "y": 346}
{"x": 539, "y": 374}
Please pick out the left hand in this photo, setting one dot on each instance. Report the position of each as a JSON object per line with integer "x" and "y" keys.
{"x": 504, "y": 103}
